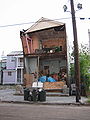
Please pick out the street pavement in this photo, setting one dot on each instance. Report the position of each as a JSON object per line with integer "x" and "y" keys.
{"x": 43, "y": 112}
{"x": 8, "y": 95}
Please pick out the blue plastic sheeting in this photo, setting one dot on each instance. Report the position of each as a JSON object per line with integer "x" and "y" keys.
{"x": 46, "y": 79}
{"x": 42, "y": 79}
{"x": 50, "y": 79}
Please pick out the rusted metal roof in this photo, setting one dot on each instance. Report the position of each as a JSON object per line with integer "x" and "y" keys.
{"x": 43, "y": 23}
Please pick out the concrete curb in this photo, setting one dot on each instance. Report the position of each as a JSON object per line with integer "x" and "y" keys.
{"x": 45, "y": 103}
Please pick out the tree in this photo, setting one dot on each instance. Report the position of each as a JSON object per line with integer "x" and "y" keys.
{"x": 84, "y": 58}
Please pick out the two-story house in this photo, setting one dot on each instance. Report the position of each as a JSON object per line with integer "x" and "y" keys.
{"x": 45, "y": 51}
{"x": 13, "y": 74}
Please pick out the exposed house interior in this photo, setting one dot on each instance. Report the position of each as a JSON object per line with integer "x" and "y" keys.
{"x": 45, "y": 51}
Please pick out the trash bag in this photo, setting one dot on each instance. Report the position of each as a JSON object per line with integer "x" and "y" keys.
{"x": 42, "y": 79}
{"x": 46, "y": 79}
{"x": 50, "y": 79}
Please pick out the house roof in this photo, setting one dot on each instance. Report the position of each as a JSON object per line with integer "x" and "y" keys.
{"x": 14, "y": 53}
{"x": 43, "y": 23}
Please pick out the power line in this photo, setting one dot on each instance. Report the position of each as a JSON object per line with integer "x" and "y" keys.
{"x": 84, "y": 18}
{"x": 18, "y": 24}
{"x": 10, "y": 25}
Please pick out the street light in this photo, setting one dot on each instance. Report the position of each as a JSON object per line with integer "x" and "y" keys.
{"x": 79, "y": 6}
{"x": 76, "y": 53}
{"x": 65, "y": 8}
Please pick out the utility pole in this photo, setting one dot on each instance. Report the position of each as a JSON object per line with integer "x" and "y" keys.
{"x": 76, "y": 53}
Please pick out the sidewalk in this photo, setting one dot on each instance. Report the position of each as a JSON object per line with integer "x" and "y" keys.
{"x": 8, "y": 95}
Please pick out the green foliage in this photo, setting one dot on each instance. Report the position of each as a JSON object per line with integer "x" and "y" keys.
{"x": 84, "y": 58}
{"x": 88, "y": 100}
{"x": 72, "y": 70}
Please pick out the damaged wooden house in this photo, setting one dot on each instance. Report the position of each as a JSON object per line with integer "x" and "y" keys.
{"x": 45, "y": 54}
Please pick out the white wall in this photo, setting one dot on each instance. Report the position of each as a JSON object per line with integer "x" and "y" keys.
{"x": 11, "y": 64}
{"x": 9, "y": 79}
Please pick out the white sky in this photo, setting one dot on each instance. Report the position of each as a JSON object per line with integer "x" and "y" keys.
{"x": 24, "y": 11}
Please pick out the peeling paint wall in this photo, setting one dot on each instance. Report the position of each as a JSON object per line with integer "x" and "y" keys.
{"x": 54, "y": 65}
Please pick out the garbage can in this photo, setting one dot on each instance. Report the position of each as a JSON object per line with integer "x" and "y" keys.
{"x": 26, "y": 93}
{"x": 42, "y": 95}
{"x": 34, "y": 95}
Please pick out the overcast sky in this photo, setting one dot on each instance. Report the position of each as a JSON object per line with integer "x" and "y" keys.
{"x": 25, "y": 11}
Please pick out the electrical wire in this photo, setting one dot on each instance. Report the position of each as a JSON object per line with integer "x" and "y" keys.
{"x": 84, "y": 18}
{"x": 18, "y": 24}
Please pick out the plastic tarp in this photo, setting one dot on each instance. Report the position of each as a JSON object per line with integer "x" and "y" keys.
{"x": 46, "y": 79}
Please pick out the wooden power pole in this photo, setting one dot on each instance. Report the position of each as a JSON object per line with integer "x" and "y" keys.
{"x": 76, "y": 53}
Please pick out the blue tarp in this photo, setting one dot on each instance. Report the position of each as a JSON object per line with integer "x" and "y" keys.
{"x": 46, "y": 79}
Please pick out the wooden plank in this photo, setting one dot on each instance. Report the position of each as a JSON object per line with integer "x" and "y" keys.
{"x": 54, "y": 85}
{"x": 28, "y": 80}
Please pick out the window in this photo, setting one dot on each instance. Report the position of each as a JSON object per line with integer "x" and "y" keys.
{"x": 21, "y": 59}
{"x": 19, "y": 75}
{"x": 60, "y": 48}
{"x": 12, "y": 59}
{"x": 9, "y": 73}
